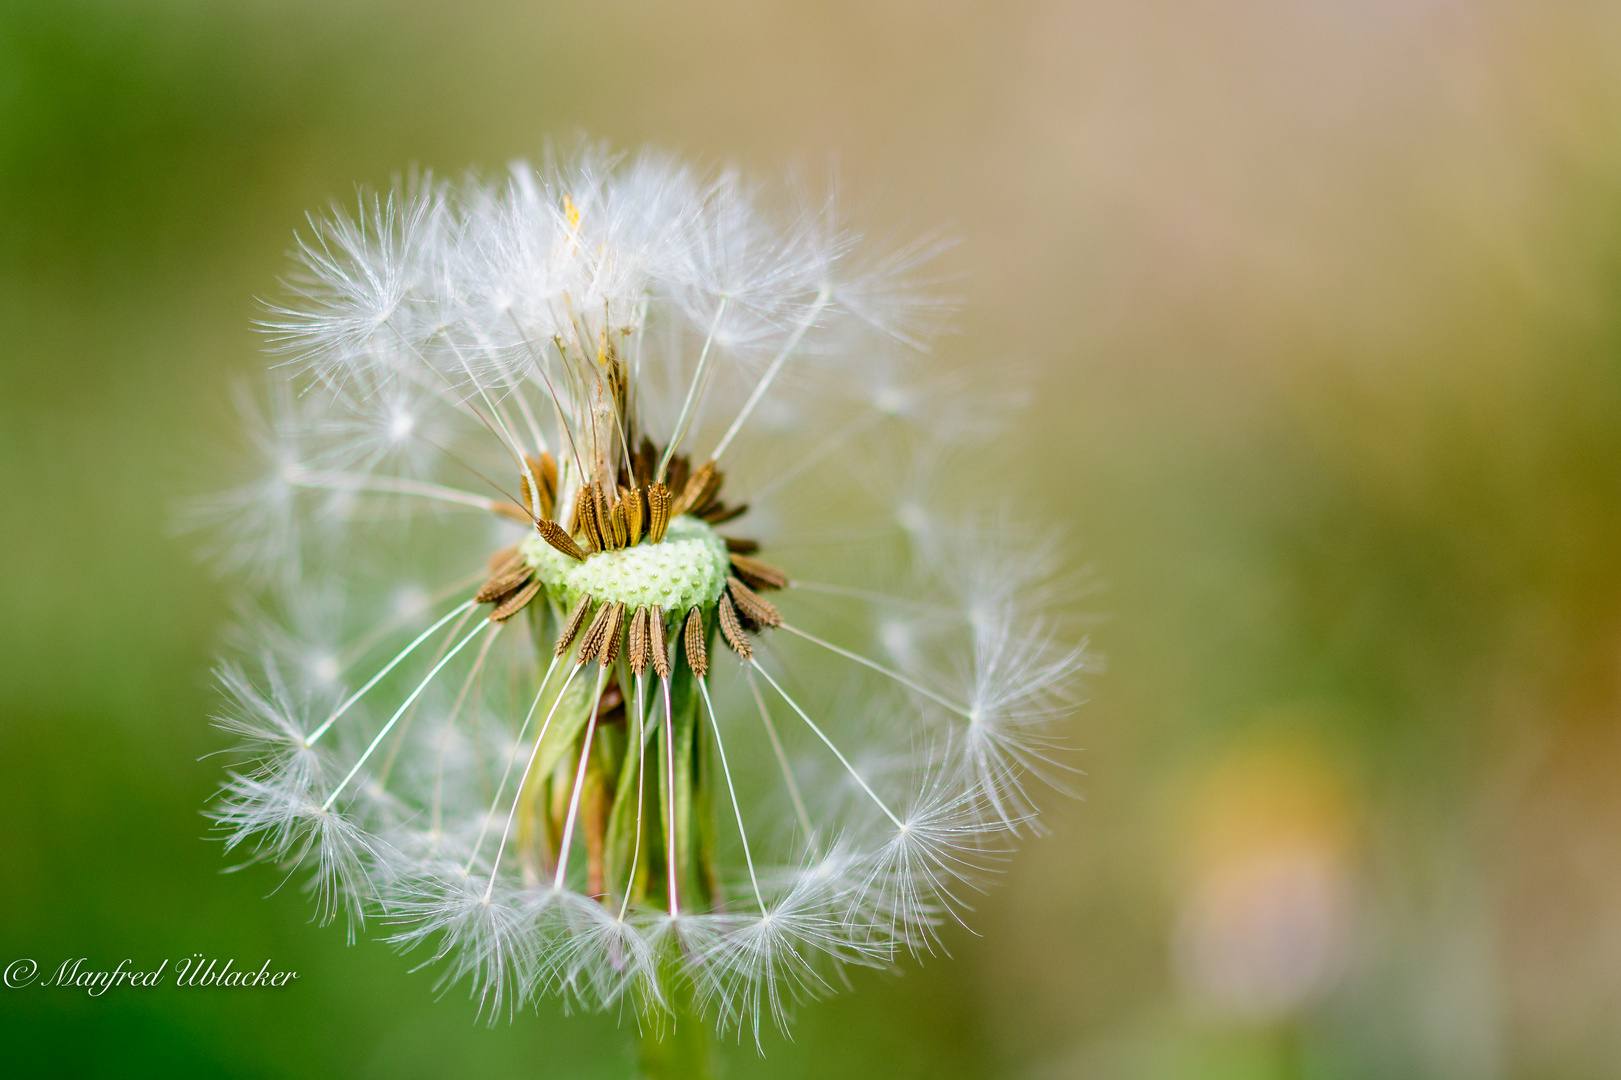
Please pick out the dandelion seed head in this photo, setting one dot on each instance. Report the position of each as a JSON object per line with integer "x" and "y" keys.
{"x": 689, "y": 568}
{"x": 537, "y": 471}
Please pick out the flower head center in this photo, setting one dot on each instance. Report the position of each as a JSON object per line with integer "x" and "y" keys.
{"x": 686, "y": 569}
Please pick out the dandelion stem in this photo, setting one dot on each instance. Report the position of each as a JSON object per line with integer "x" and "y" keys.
{"x": 732, "y": 791}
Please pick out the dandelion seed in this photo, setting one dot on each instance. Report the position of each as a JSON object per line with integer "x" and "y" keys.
{"x": 497, "y": 399}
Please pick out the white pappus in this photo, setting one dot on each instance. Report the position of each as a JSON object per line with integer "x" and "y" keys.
{"x": 594, "y": 637}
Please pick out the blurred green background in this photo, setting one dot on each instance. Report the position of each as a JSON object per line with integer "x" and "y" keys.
{"x": 1324, "y": 299}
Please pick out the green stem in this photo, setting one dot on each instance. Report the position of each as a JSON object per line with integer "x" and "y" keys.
{"x": 677, "y": 1047}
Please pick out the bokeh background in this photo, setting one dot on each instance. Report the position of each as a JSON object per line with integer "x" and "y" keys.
{"x": 1323, "y": 298}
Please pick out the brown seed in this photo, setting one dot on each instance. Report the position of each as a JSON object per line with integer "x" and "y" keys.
{"x": 675, "y": 475}
{"x": 502, "y": 584}
{"x": 655, "y": 638}
{"x": 616, "y": 518}
{"x": 571, "y": 628}
{"x": 583, "y": 525}
{"x": 553, "y": 534}
{"x": 720, "y": 513}
{"x": 697, "y": 655}
{"x": 759, "y": 611}
{"x": 588, "y": 519}
{"x": 708, "y": 497}
{"x": 503, "y": 561}
{"x": 732, "y": 630}
{"x": 761, "y": 575}
{"x": 513, "y": 511}
{"x": 640, "y": 652}
{"x": 634, "y": 506}
{"x": 611, "y": 705}
{"x": 548, "y": 483}
{"x": 595, "y": 643}
{"x": 601, "y": 516}
{"x": 647, "y": 459}
{"x": 613, "y": 636}
{"x": 543, "y": 471}
{"x": 658, "y": 512}
{"x": 515, "y": 603}
{"x": 695, "y": 497}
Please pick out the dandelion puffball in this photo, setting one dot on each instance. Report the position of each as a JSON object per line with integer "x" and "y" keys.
{"x": 632, "y": 609}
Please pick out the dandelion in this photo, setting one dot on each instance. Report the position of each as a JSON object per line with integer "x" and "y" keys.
{"x": 600, "y": 644}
